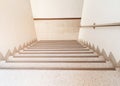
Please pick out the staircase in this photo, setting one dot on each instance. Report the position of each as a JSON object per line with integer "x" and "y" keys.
{"x": 57, "y": 55}
{"x": 57, "y": 63}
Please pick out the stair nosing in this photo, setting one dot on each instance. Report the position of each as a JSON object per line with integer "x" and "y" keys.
{"x": 87, "y": 69}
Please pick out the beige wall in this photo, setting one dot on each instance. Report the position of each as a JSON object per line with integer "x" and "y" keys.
{"x": 56, "y": 8}
{"x": 16, "y": 24}
{"x": 102, "y": 11}
{"x": 57, "y": 29}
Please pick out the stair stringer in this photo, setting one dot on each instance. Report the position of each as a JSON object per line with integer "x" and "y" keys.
{"x": 8, "y": 54}
{"x": 15, "y": 50}
{"x": 101, "y": 53}
{"x": 1, "y": 56}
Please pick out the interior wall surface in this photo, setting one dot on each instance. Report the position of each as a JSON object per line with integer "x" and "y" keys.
{"x": 102, "y": 12}
{"x": 57, "y": 29}
{"x": 16, "y": 24}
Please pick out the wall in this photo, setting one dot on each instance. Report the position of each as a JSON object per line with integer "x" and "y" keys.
{"x": 57, "y": 29}
{"x": 100, "y": 12}
{"x": 56, "y": 8}
{"x": 16, "y": 24}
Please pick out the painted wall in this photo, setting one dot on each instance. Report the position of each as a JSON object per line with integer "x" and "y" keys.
{"x": 16, "y": 24}
{"x": 100, "y": 12}
{"x": 57, "y": 29}
{"x": 56, "y": 8}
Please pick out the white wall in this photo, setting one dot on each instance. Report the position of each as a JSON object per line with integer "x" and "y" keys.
{"x": 100, "y": 12}
{"x": 16, "y": 24}
{"x": 56, "y": 8}
{"x": 57, "y": 29}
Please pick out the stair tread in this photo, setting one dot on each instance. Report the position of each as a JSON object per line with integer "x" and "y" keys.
{"x": 16, "y": 56}
{"x": 84, "y": 49}
{"x": 56, "y": 51}
{"x": 16, "y": 61}
{"x": 57, "y": 55}
{"x": 56, "y": 48}
{"x": 33, "y": 52}
{"x": 57, "y": 59}
{"x": 51, "y": 45}
{"x": 55, "y": 65}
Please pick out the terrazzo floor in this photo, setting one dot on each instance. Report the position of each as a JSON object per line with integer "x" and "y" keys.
{"x": 59, "y": 78}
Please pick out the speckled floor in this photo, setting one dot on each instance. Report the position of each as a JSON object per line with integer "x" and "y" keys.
{"x": 59, "y": 78}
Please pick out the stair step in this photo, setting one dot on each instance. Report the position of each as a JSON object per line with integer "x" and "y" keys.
{"x": 56, "y": 61}
{"x": 54, "y": 52}
{"x": 57, "y": 44}
{"x": 82, "y": 55}
{"x": 18, "y": 56}
{"x": 68, "y": 42}
{"x": 56, "y": 47}
{"x": 60, "y": 59}
{"x": 59, "y": 41}
{"x": 58, "y": 66}
{"x": 32, "y": 47}
{"x": 62, "y": 49}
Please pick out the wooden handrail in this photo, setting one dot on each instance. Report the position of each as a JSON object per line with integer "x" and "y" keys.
{"x": 56, "y": 18}
{"x": 101, "y": 25}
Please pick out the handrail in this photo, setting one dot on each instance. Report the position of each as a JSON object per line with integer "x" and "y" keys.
{"x": 101, "y": 25}
{"x": 74, "y": 18}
